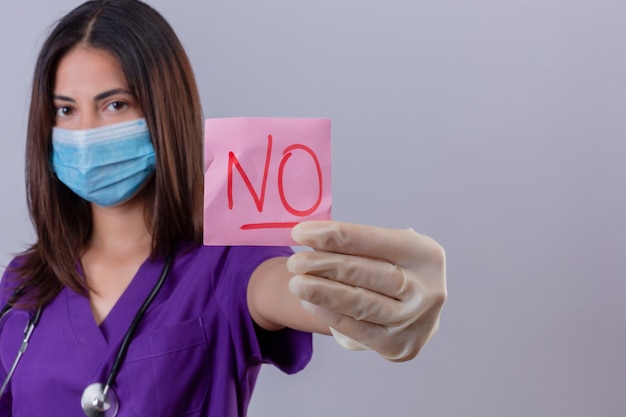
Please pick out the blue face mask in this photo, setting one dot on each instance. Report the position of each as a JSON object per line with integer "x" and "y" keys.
{"x": 105, "y": 165}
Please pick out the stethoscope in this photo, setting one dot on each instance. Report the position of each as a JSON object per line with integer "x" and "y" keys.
{"x": 28, "y": 331}
{"x": 98, "y": 400}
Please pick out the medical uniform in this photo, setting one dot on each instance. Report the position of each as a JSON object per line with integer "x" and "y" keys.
{"x": 196, "y": 351}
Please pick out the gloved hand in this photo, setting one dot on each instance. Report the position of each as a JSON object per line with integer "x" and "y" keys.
{"x": 375, "y": 288}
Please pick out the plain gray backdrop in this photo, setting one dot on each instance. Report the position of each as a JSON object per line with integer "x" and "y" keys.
{"x": 497, "y": 127}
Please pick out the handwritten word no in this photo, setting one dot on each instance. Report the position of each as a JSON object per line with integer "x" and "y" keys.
{"x": 259, "y": 200}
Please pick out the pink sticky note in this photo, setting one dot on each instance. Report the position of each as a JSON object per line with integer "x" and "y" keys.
{"x": 262, "y": 176}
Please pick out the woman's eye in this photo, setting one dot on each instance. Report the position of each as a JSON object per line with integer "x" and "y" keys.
{"x": 63, "y": 111}
{"x": 117, "y": 106}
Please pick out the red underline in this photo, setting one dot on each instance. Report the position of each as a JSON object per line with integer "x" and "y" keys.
{"x": 271, "y": 225}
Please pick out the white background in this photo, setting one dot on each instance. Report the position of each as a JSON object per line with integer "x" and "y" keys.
{"x": 497, "y": 127}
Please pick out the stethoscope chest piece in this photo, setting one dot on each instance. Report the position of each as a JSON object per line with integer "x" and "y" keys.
{"x": 98, "y": 403}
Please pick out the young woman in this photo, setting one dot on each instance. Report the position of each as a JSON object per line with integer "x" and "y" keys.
{"x": 126, "y": 312}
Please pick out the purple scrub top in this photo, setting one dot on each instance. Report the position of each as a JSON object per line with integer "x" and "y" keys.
{"x": 196, "y": 351}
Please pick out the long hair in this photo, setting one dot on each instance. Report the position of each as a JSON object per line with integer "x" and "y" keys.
{"x": 159, "y": 75}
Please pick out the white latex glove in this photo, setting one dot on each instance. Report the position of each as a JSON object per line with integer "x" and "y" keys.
{"x": 375, "y": 288}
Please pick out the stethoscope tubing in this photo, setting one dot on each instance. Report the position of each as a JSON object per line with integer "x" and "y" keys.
{"x": 123, "y": 350}
{"x": 121, "y": 354}
{"x": 28, "y": 331}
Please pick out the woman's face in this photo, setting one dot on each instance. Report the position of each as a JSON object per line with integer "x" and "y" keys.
{"x": 90, "y": 91}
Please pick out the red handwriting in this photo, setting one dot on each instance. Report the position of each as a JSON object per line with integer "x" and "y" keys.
{"x": 259, "y": 199}
{"x": 281, "y": 190}
{"x": 232, "y": 160}
{"x": 269, "y": 225}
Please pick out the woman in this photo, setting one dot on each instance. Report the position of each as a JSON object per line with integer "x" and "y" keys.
{"x": 131, "y": 314}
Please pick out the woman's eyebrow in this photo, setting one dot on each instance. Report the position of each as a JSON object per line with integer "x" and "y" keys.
{"x": 63, "y": 98}
{"x": 99, "y": 97}
{"x": 109, "y": 93}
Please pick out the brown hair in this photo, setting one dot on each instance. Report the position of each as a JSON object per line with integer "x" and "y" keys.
{"x": 159, "y": 74}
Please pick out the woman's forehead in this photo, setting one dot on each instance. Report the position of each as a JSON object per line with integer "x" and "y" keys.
{"x": 88, "y": 70}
